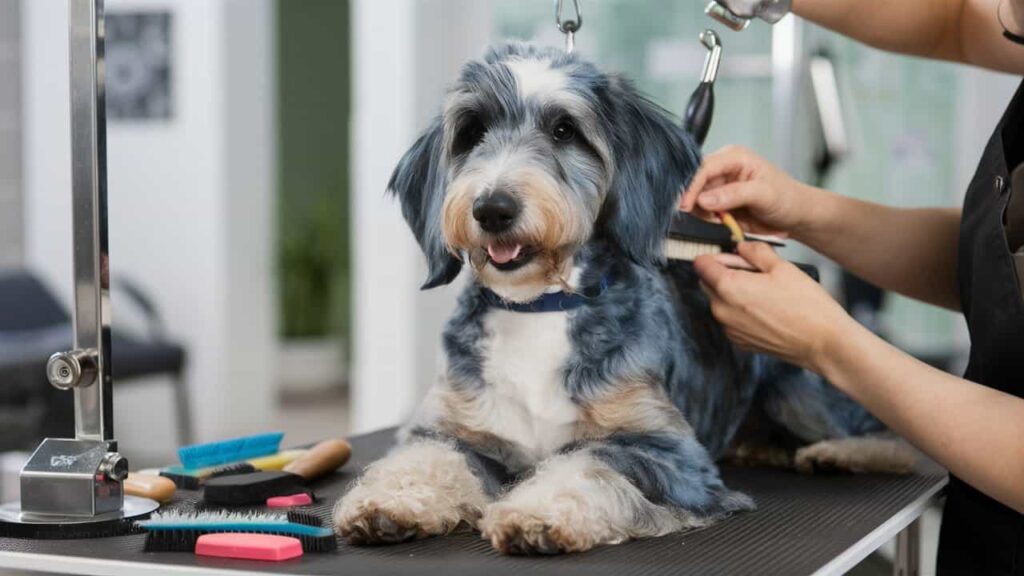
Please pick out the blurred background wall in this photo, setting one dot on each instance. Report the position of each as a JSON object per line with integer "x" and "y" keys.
{"x": 191, "y": 196}
{"x": 250, "y": 142}
{"x": 11, "y": 230}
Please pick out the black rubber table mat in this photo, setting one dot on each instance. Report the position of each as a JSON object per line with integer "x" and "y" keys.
{"x": 802, "y": 522}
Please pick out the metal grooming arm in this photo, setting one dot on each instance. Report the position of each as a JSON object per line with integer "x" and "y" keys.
{"x": 78, "y": 480}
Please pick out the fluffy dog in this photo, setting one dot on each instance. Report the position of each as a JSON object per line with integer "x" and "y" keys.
{"x": 587, "y": 391}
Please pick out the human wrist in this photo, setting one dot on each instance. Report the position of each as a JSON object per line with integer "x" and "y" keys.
{"x": 832, "y": 345}
{"x": 815, "y": 207}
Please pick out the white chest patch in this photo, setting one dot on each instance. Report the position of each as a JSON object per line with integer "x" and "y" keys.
{"x": 524, "y": 368}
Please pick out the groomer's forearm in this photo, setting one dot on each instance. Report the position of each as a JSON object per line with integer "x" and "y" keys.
{"x": 965, "y": 31}
{"x": 976, "y": 432}
{"x": 919, "y": 27}
{"x": 912, "y": 251}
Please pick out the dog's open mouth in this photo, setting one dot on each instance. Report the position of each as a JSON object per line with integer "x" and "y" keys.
{"x": 506, "y": 257}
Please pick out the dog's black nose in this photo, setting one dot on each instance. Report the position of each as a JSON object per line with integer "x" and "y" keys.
{"x": 496, "y": 211}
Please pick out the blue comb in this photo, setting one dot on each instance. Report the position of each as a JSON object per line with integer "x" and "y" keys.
{"x": 217, "y": 453}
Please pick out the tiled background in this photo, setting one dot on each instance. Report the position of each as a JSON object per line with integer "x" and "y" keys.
{"x": 11, "y": 243}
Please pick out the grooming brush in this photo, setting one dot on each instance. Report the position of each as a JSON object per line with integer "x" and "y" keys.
{"x": 690, "y": 237}
{"x": 256, "y": 488}
{"x": 179, "y": 531}
{"x": 193, "y": 478}
{"x": 234, "y": 450}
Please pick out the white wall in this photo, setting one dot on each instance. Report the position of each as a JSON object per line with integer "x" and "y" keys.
{"x": 405, "y": 53}
{"x": 190, "y": 204}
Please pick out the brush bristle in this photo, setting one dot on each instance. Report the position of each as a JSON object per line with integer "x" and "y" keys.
{"x": 307, "y": 518}
{"x": 688, "y": 250}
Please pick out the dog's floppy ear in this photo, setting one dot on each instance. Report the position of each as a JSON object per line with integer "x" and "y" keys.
{"x": 654, "y": 159}
{"x": 419, "y": 181}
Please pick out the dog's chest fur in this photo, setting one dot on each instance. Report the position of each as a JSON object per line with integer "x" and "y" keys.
{"x": 524, "y": 363}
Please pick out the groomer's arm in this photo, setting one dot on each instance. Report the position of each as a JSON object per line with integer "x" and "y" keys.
{"x": 909, "y": 251}
{"x": 965, "y": 31}
{"x": 976, "y": 432}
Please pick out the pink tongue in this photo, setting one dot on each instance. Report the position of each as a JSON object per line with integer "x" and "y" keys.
{"x": 503, "y": 254}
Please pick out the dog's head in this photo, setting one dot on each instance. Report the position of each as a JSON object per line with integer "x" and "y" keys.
{"x": 536, "y": 153}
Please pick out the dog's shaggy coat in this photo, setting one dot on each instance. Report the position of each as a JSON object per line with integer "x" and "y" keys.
{"x": 559, "y": 431}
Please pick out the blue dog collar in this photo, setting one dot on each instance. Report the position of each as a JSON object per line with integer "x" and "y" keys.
{"x": 549, "y": 301}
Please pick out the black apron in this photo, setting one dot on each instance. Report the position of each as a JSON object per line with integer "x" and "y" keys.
{"x": 980, "y": 535}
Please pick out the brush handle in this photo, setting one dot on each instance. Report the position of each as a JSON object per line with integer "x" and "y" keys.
{"x": 321, "y": 459}
{"x": 147, "y": 486}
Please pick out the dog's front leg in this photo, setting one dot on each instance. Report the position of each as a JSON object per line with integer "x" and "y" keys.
{"x": 627, "y": 486}
{"x": 423, "y": 488}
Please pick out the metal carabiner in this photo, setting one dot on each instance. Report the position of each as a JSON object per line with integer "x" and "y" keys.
{"x": 571, "y": 26}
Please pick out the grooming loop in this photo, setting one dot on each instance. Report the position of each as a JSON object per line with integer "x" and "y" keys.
{"x": 571, "y": 26}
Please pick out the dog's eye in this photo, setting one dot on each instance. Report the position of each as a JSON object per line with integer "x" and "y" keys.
{"x": 471, "y": 133}
{"x": 563, "y": 132}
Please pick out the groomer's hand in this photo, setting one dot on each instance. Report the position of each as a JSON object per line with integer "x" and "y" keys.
{"x": 775, "y": 309}
{"x": 764, "y": 199}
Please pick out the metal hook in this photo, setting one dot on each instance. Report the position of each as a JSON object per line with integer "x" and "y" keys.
{"x": 710, "y": 41}
{"x": 571, "y": 26}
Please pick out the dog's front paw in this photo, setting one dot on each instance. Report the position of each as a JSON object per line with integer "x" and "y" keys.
{"x": 367, "y": 518}
{"x": 421, "y": 490}
{"x": 858, "y": 455}
{"x": 513, "y": 530}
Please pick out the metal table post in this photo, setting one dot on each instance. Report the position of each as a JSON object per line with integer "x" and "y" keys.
{"x": 908, "y": 551}
{"x": 76, "y": 481}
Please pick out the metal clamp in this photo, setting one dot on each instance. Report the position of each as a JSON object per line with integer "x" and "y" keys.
{"x": 571, "y": 26}
{"x": 711, "y": 41}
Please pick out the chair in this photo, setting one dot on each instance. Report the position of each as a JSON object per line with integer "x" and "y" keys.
{"x": 34, "y": 325}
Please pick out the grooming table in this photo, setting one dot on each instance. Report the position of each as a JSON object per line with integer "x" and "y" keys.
{"x": 803, "y": 525}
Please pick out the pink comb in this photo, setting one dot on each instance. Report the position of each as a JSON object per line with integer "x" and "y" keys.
{"x": 287, "y": 501}
{"x": 249, "y": 546}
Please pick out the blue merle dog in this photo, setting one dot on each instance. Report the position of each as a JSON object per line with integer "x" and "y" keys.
{"x": 587, "y": 391}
